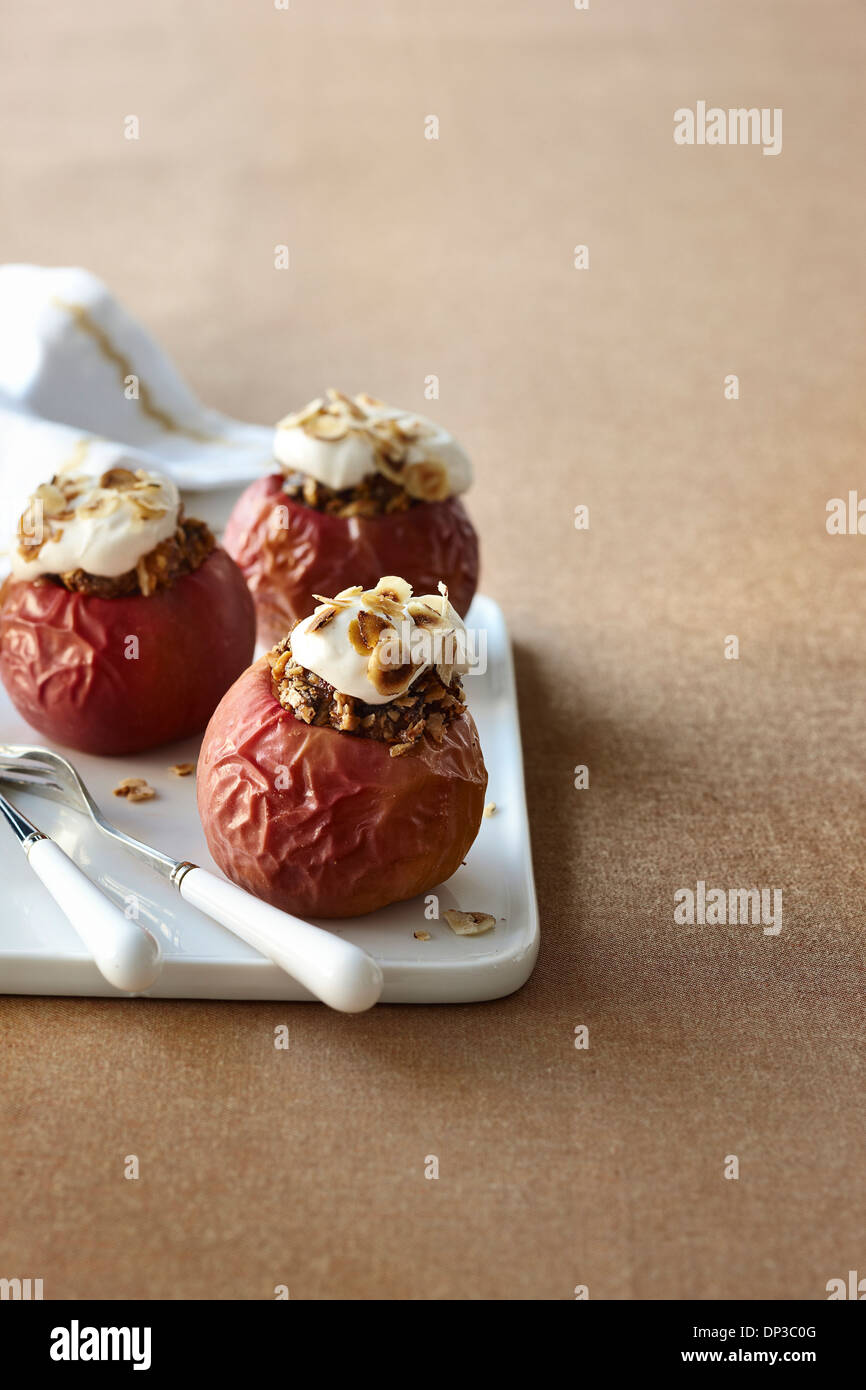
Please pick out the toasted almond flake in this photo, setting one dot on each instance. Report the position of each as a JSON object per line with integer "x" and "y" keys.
{"x": 52, "y": 499}
{"x": 135, "y": 789}
{"x": 427, "y": 480}
{"x": 387, "y": 678}
{"x": 322, "y": 617}
{"x": 371, "y": 626}
{"x": 329, "y": 427}
{"x": 392, "y": 587}
{"x": 119, "y": 478}
{"x": 423, "y": 615}
{"x": 421, "y": 935}
{"x": 346, "y": 402}
{"x": 300, "y": 417}
{"x": 345, "y": 594}
{"x": 469, "y": 923}
{"x": 490, "y": 809}
{"x": 369, "y": 402}
{"x": 182, "y": 769}
{"x": 356, "y": 637}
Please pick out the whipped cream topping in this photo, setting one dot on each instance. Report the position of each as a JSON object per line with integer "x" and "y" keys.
{"x": 103, "y": 525}
{"x": 374, "y": 645}
{"x": 341, "y": 440}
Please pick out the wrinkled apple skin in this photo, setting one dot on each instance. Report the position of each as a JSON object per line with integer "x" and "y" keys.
{"x": 287, "y": 556}
{"x": 326, "y": 824}
{"x": 62, "y": 658}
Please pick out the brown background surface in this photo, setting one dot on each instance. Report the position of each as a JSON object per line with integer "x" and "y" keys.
{"x": 604, "y": 387}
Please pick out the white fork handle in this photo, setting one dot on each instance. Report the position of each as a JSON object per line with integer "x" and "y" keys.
{"x": 123, "y": 951}
{"x": 336, "y": 971}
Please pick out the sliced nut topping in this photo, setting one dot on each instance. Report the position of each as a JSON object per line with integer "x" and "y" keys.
{"x": 300, "y": 417}
{"x": 469, "y": 923}
{"x": 322, "y": 618}
{"x": 427, "y": 480}
{"x": 346, "y": 594}
{"x": 351, "y": 407}
{"x": 118, "y": 478}
{"x": 391, "y": 439}
{"x": 325, "y": 426}
{"x": 424, "y": 616}
{"x": 388, "y": 679}
{"x": 371, "y": 627}
{"x": 391, "y": 586}
{"x": 52, "y": 498}
{"x": 135, "y": 789}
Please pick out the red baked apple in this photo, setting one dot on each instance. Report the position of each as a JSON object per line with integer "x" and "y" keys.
{"x": 364, "y": 490}
{"x": 122, "y": 625}
{"x": 287, "y": 551}
{"x": 73, "y": 673}
{"x": 327, "y": 806}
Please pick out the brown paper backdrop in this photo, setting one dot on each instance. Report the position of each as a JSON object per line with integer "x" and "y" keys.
{"x": 602, "y": 387}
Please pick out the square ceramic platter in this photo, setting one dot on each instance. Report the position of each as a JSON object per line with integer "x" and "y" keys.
{"x": 40, "y": 952}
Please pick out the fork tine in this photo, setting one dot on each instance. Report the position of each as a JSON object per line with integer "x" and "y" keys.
{"x": 38, "y": 785}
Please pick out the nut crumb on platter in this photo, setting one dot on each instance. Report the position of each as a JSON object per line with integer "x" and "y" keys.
{"x": 422, "y": 936}
{"x": 182, "y": 769}
{"x": 490, "y": 809}
{"x": 469, "y": 923}
{"x": 135, "y": 789}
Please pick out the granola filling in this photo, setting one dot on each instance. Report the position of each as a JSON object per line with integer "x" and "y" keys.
{"x": 427, "y": 707}
{"x": 373, "y": 496}
{"x": 160, "y": 568}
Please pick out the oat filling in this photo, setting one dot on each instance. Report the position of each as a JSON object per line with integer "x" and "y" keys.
{"x": 373, "y": 496}
{"x": 427, "y": 707}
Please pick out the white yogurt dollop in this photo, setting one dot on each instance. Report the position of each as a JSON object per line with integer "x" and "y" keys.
{"x": 103, "y": 525}
{"x": 340, "y": 442}
{"x": 435, "y": 637}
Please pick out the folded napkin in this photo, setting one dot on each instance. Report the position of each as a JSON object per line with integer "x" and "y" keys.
{"x": 81, "y": 382}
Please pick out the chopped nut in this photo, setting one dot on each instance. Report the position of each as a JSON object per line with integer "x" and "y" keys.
{"x": 421, "y": 935}
{"x": 490, "y": 809}
{"x": 135, "y": 789}
{"x": 182, "y": 769}
{"x": 469, "y": 923}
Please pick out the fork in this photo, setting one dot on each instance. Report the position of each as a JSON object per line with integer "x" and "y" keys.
{"x": 336, "y": 971}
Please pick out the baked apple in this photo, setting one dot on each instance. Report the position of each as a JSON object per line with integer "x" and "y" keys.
{"x": 343, "y": 771}
{"x": 122, "y": 624}
{"x": 362, "y": 490}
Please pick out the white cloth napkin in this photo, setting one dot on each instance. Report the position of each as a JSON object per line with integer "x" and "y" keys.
{"x": 82, "y": 382}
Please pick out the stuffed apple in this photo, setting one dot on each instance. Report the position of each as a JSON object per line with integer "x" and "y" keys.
{"x": 122, "y": 624}
{"x": 343, "y": 771}
{"x": 361, "y": 490}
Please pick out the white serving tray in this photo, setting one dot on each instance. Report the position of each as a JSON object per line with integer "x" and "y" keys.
{"x": 41, "y": 954}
